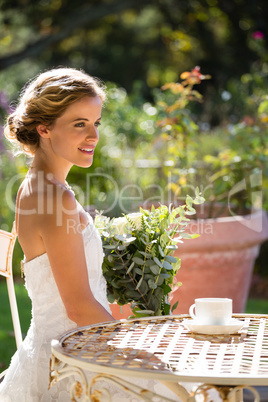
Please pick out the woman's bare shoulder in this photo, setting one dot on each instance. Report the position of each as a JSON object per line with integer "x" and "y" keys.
{"x": 44, "y": 199}
{"x": 43, "y": 210}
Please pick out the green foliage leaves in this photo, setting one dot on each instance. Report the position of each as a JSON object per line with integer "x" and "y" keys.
{"x": 138, "y": 265}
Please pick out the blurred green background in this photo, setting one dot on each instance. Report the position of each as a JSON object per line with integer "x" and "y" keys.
{"x": 135, "y": 47}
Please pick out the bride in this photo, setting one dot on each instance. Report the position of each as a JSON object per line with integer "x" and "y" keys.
{"x": 56, "y": 122}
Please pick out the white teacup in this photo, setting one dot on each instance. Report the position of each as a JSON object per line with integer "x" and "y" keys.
{"x": 212, "y": 311}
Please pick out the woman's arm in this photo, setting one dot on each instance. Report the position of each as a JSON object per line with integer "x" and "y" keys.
{"x": 61, "y": 233}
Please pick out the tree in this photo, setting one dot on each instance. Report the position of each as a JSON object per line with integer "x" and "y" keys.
{"x": 130, "y": 41}
{"x": 173, "y": 27}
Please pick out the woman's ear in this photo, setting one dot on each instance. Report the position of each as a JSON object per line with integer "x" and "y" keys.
{"x": 43, "y": 131}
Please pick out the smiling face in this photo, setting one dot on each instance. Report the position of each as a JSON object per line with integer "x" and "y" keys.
{"x": 74, "y": 135}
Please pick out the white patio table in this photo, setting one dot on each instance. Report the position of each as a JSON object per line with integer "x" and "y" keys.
{"x": 163, "y": 349}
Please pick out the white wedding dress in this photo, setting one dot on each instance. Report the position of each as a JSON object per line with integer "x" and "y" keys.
{"x": 27, "y": 378}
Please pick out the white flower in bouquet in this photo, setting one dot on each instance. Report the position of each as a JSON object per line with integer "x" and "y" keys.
{"x": 122, "y": 224}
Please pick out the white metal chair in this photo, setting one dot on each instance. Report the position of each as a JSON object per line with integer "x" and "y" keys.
{"x": 7, "y": 242}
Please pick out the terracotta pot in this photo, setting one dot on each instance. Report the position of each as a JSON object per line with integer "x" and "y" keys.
{"x": 220, "y": 262}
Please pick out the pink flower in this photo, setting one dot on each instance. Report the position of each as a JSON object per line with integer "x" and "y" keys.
{"x": 257, "y": 35}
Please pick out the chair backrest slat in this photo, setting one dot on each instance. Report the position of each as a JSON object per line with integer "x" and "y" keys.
{"x": 6, "y": 250}
{"x": 7, "y": 242}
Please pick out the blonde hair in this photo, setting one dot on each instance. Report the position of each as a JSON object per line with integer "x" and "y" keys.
{"x": 46, "y": 98}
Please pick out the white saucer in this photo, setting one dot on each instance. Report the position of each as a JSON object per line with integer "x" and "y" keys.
{"x": 232, "y": 327}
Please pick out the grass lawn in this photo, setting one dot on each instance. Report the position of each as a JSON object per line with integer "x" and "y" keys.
{"x": 7, "y": 340}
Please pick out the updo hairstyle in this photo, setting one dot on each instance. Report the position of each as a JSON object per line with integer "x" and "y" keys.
{"x": 45, "y": 99}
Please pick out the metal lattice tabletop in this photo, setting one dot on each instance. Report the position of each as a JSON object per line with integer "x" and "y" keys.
{"x": 164, "y": 349}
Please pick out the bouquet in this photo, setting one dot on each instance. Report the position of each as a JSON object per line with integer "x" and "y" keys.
{"x": 138, "y": 264}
